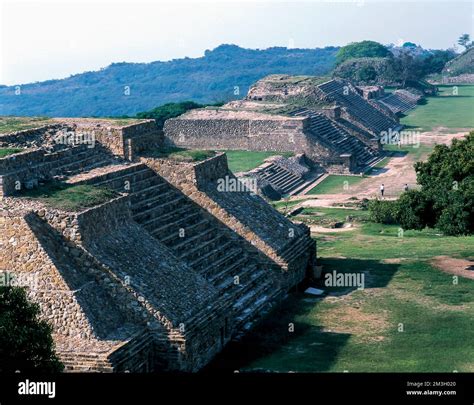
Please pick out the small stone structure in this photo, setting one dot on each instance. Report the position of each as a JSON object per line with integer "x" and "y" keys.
{"x": 159, "y": 278}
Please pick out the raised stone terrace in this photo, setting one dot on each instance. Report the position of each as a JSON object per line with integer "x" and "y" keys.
{"x": 159, "y": 277}
{"x": 327, "y": 120}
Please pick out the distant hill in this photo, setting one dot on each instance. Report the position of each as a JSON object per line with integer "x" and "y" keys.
{"x": 217, "y": 76}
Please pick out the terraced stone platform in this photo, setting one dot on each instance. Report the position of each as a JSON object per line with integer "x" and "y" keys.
{"x": 158, "y": 278}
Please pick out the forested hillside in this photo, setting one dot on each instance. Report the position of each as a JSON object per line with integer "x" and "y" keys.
{"x": 222, "y": 74}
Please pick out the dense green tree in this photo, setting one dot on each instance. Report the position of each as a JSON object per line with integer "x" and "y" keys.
{"x": 447, "y": 180}
{"x": 26, "y": 344}
{"x": 370, "y": 49}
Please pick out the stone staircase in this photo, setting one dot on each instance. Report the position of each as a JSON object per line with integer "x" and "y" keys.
{"x": 357, "y": 106}
{"x": 193, "y": 236}
{"x": 81, "y": 363}
{"x": 397, "y": 103}
{"x": 281, "y": 179}
{"x": 336, "y": 138}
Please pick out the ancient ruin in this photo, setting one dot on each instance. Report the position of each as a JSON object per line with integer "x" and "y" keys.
{"x": 333, "y": 123}
{"x": 161, "y": 276}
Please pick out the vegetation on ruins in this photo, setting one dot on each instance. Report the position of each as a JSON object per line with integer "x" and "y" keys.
{"x": 12, "y": 124}
{"x": 362, "y": 49}
{"x": 8, "y": 151}
{"x": 446, "y": 198}
{"x": 169, "y": 110}
{"x": 462, "y": 64}
{"x": 243, "y": 160}
{"x": 181, "y": 154}
{"x": 70, "y": 197}
{"x": 26, "y": 344}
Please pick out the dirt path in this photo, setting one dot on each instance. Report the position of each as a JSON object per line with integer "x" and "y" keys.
{"x": 398, "y": 171}
{"x": 459, "y": 267}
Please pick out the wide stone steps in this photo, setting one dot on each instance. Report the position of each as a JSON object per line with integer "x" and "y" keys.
{"x": 154, "y": 207}
{"x": 341, "y": 141}
{"x": 168, "y": 222}
{"x": 113, "y": 175}
{"x": 211, "y": 242}
{"x": 225, "y": 278}
{"x": 81, "y": 162}
{"x": 165, "y": 212}
{"x": 357, "y": 106}
{"x": 218, "y": 258}
{"x": 280, "y": 178}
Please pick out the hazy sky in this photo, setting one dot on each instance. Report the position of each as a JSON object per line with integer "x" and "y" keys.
{"x": 42, "y": 40}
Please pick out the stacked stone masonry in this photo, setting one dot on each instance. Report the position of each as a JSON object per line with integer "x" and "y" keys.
{"x": 160, "y": 277}
{"x": 334, "y": 123}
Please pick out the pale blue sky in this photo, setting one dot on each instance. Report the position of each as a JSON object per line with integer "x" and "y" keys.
{"x": 43, "y": 40}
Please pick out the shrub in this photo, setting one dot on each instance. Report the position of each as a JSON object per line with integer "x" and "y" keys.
{"x": 384, "y": 212}
{"x": 414, "y": 210}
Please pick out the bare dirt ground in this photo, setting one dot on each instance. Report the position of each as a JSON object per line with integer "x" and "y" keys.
{"x": 459, "y": 267}
{"x": 398, "y": 171}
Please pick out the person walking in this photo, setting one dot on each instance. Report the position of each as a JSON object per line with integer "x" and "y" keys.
{"x": 382, "y": 189}
{"x": 405, "y": 187}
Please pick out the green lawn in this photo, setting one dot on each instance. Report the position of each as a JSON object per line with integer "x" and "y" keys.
{"x": 445, "y": 110}
{"x": 334, "y": 184}
{"x": 242, "y": 160}
{"x": 419, "y": 152}
{"x": 8, "y": 151}
{"x": 410, "y": 317}
{"x": 70, "y": 198}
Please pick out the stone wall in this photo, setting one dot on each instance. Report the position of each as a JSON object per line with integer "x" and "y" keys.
{"x": 30, "y": 138}
{"x": 279, "y": 135}
{"x": 124, "y": 141}
{"x": 27, "y": 169}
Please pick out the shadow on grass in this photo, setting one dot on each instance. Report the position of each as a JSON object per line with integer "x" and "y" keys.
{"x": 317, "y": 348}
{"x": 309, "y": 348}
{"x": 376, "y": 274}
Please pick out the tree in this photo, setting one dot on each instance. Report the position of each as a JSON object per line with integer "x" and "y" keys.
{"x": 447, "y": 180}
{"x": 465, "y": 41}
{"x": 410, "y": 68}
{"x": 25, "y": 341}
{"x": 436, "y": 61}
{"x": 367, "y": 49}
